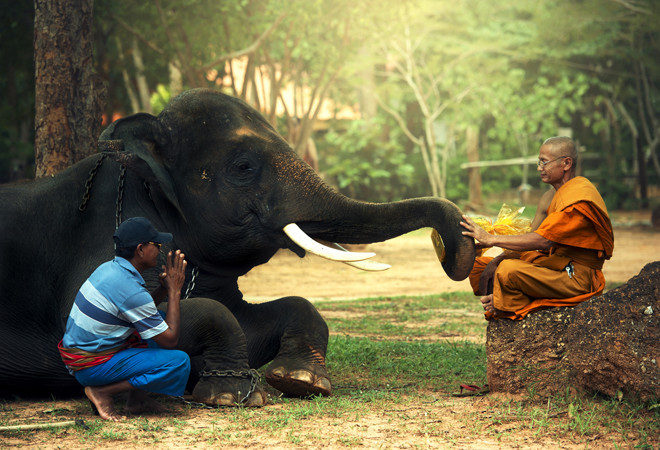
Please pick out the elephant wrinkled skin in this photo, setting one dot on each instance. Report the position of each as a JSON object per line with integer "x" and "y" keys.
{"x": 211, "y": 171}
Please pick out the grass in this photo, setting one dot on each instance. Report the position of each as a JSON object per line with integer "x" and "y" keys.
{"x": 582, "y": 418}
{"x": 440, "y": 316}
{"x": 399, "y": 364}
{"x": 394, "y": 361}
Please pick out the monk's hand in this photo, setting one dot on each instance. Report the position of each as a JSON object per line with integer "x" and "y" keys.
{"x": 475, "y": 231}
{"x": 174, "y": 272}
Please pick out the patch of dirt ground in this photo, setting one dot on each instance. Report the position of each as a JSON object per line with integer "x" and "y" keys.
{"x": 437, "y": 421}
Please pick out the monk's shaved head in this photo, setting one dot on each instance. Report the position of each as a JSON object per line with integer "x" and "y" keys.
{"x": 562, "y": 146}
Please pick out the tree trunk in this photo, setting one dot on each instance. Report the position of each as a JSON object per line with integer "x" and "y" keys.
{"x": 367, "y": 101}
{"x": 68, "y": 96}
{"x": 128, "y": 84}
{"x": 474, "y": 173}
{"x": 176, "y": 80}
{"x": 143, "y": 89}
{"x": 641, "y": 163}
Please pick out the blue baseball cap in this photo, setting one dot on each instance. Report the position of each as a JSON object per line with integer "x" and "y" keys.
{"x": 138, "y": 230}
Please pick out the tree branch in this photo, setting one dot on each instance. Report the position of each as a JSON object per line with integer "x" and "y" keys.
{"x": 632, "y": 5}
{"x": 137, "y": 34}
{"x": 247, "y": 50}
{"x": 402, "y": 123}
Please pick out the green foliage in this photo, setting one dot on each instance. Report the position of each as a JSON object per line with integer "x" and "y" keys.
{"x": 17, "y": 87}
{"x": 160, "y": 99}
{"x": 16, "y": 156}
{"x": 518, "y": 71}
{"x": 364, "y": 164}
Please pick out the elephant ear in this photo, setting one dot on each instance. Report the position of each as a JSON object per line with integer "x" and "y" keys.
{"x": 137, "y": 142}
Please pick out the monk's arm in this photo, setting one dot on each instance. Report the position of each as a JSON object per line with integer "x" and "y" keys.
{"x": 520, "y": 243}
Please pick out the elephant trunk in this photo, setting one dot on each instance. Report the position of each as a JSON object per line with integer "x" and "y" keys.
{"x": 324, "y": 214}
{"x": 353, "y": 222}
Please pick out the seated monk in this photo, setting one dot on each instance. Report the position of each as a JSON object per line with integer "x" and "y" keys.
{"x": 559, "y": 262}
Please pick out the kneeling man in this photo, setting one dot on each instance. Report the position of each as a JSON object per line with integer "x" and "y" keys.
{"x": 113, "y": 314}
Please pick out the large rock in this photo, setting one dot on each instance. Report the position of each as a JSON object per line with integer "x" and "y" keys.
{"x": 609, "y": 344}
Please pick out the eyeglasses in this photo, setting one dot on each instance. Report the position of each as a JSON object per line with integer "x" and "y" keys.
{"x": 545, "y": 163}
{"x": 156, "y": 244}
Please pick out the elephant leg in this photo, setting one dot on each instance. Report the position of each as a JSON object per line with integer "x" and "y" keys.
{"x": 291, "y": 333}
{"x": 216, "y": 344}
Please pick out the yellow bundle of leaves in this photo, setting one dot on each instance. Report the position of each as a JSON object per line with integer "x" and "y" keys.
{"x": 508, "y": 221}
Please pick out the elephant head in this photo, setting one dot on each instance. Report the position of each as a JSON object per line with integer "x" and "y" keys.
{"x": 233, "y": 191}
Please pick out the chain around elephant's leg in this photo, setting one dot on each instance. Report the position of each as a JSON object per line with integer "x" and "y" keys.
{"x": 221, "y": 374}
{"x": 231, "y": 394}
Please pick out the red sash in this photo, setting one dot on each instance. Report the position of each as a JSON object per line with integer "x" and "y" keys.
{"x": 76, "y": 359}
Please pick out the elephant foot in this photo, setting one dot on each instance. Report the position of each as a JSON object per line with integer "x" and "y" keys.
{"x": 297, "y": 379}
{"x": 230, "y": 388}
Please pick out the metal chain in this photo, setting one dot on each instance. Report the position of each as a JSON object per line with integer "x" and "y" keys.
{"x": 88, "y": 184}
{"x": 119, "y": 207}
{"x": 120, "y": 196}
{"x": 194, "y": 404}
{"x": 252, "y": 374}
{"x": 191, "y": 285}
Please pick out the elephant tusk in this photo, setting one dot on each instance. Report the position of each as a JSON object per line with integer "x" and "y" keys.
{"x": 368, "y": 265}
{"x": 299, "y": 237}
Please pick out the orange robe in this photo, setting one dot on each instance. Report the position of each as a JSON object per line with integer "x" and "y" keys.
{"x": 581, "y": 232}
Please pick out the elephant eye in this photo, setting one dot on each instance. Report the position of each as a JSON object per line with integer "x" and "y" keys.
{"x": 243, "y": 170}
{"x": 243, "y": 165}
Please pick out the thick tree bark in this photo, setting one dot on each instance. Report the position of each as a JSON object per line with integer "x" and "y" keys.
{"x": 68, "y": 96}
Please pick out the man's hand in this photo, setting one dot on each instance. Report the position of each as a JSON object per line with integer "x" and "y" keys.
{"x": 482, "y": 237}
{"x": 172, "y": 278}
{"x": 174, "y": 272}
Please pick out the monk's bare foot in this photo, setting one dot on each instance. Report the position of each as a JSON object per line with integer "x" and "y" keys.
{"x": 139, "y": 402}
{"x": 103, "y": 403}
{"x": 487, "y": 303}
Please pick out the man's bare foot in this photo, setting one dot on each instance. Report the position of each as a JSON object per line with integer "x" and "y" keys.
{"x": 103, "y": 403}
{"x": 487, "y": 303}
{"x": 139, "y": 402}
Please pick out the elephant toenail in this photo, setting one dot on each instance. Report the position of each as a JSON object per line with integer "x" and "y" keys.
{"x": 277, "y": 372}
{"x": 324, "y": 385}
{"x": 303, "y": 376}
{"x": 225, "y": 399}
{"x": 257, "y": 399}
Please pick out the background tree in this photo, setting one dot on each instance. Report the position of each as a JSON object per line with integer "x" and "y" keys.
{"x": 254, "y": 50}
{"x": 68, "y": 96}
{"x": 506, "y": 75}
{"x": 17, "y": 85}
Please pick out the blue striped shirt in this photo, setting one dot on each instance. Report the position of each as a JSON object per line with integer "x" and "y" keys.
{"x": 112, "y": 303}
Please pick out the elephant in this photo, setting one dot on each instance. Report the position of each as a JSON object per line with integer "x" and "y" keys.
{"x": 213, "y": 172}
